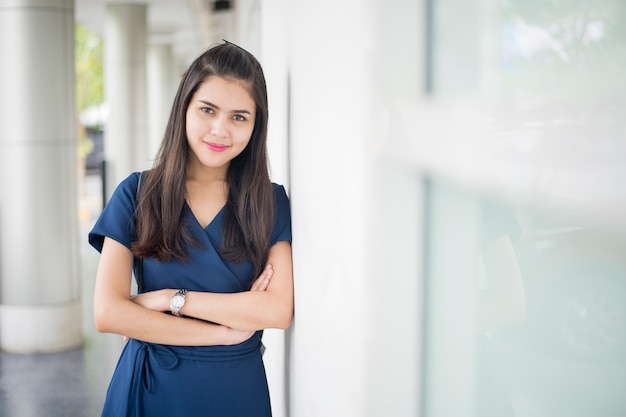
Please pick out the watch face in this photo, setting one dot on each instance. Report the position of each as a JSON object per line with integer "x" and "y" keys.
{"x": 178, "y": 301}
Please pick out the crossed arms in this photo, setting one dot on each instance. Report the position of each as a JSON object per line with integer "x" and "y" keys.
{"x": 210, "y": 318}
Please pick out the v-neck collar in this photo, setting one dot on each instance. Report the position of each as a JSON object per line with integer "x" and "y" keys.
{"x": 213, "y": 220}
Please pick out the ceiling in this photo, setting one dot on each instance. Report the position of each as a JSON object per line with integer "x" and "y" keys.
{"x": 187, "y": 25}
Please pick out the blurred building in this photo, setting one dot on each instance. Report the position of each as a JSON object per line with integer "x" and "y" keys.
{"x": 455, "y": 170}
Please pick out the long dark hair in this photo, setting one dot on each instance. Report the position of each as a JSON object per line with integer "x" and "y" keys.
{"x": 249, "y": 211}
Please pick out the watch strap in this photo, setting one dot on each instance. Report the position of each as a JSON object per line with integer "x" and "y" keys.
{"x": 175, "y": 309}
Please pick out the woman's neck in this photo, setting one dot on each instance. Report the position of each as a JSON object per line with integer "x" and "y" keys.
{"x": 201, "y": 174}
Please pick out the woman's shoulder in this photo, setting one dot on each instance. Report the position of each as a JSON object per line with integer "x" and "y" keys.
{"x": 132, "y": 179}
{"x": 125, "y": 194}
{"x": 280, "y": 194}
{"x": 115, "y": 220}
{"x": 278, "y": 188}
{"x": 128, "y": 186}
{"x": 282, "y": 225}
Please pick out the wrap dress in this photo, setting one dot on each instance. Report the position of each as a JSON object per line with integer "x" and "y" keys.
{"x": 153, "y": 380}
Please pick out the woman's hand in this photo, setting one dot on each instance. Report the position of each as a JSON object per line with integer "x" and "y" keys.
{"x": 234, "y": 337}
{"x": 263, "y": 280}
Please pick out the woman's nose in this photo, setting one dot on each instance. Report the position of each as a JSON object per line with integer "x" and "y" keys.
{"x": 218, "y": 127}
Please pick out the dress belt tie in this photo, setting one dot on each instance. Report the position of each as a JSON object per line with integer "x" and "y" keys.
{"x": 164, "y": 357}
{"x": 149, "y": 355}
{"x": 149, "y": 350}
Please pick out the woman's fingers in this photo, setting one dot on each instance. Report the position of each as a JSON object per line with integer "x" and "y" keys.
{"x": 263, "y": 281}
{"x": 240, "y": 336}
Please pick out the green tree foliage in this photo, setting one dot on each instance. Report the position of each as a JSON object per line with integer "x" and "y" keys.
{"x": 89, "y": 78}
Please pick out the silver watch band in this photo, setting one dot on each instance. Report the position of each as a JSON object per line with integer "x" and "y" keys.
{"x": 177, "y": 302}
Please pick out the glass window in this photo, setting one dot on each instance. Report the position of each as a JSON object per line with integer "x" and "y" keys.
{"x": 525, "y": 313}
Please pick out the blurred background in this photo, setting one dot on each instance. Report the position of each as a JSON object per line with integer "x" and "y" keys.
{"x": 455, "y": 170}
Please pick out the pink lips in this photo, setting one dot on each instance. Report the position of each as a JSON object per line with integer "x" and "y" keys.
{"x": 215, "y": 147}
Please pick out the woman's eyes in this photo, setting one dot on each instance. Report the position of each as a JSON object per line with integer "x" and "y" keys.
{"x": 236, "y": 117}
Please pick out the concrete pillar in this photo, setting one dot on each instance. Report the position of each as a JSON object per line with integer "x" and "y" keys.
{"x": 272, "y": 39}
{"x": 126, "y": 147}
{"x": 161, "y": 91}
{"x": 331, "y": 189}
{"x": 39, "y": 274}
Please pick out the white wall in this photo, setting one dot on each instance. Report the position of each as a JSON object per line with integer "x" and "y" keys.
{"x": 330, "y": 137}
{"x": 352, "y": 350}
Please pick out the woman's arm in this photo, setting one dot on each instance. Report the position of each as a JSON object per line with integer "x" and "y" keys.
{"x": 250, "y": 310}
{"x": 115, "y": 312}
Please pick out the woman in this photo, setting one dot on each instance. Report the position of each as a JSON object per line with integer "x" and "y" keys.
{"x": 212, "y": 236}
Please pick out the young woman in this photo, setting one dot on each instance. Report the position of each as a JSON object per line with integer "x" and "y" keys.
{"x": 212, "y": 237}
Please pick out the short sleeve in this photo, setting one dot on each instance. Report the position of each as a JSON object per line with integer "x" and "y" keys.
{"x": 282, "y": 223}
{"x": 116, "y": 220}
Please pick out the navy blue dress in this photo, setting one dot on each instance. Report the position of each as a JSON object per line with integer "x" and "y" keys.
{"x": 153, "y": 380}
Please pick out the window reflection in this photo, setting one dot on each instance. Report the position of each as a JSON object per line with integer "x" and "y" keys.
{"x": 552, "y": 318}
{"x": 549, "y": 319}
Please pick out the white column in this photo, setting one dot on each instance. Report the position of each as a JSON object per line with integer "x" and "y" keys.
{"x": 354, "y": 346}
{"x": 274, "y": 57}
{"x": 161, "y": 91}
{"x": 272, "y": 41}
{"x": 39, "y": 275}
{"x": 332, "y": 133}
{"x": 126, "y": 146}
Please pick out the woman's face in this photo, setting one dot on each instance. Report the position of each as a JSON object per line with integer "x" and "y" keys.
{"x": 220, "y": 121}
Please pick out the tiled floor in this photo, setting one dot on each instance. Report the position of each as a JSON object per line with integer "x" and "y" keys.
{"x": 67, "y": 384}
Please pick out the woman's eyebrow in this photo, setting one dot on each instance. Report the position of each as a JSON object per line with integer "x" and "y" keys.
{"x": 208, "y": 103}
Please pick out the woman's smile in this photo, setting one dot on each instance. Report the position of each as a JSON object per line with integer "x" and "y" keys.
{"x": 216, "y": 147}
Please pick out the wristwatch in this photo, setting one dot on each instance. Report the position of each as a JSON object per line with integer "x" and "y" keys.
{"x": 177, "y": 302}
